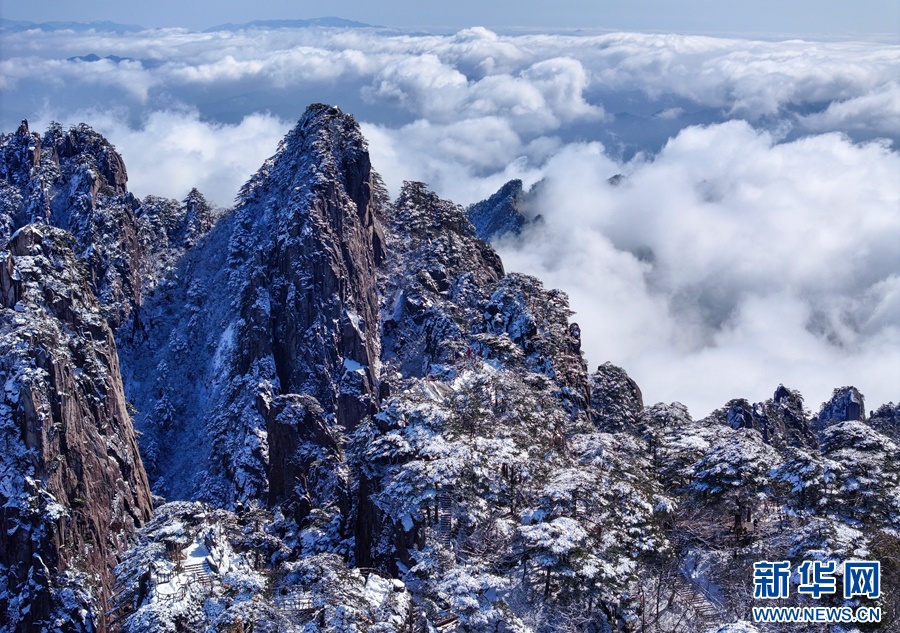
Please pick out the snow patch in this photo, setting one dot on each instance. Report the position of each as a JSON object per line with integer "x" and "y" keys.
{"x": 223, "y": 350}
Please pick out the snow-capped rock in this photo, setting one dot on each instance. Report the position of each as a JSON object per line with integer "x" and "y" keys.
{"x": 500, "y": 214}
{"x": 846, "y": 403}
{"x": 75, "y": 180}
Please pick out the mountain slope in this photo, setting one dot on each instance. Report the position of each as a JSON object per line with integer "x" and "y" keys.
{"x": 75, "y": 180}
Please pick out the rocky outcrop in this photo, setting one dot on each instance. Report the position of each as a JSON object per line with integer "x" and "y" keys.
{"x": 846, "y": 404}
{"x": 431, "y": 283}
{"x": 303, "y": 255}
{"x": 20, "y": 202}
{"x": 446, "y": 297}
{"x": 501, "y": 214}
{"x": 528, "y": 327}
{"x": 886, "y": 419}
{"x": 458, "y": 328}
{"x": 73, "y": 486}
{"x": 306, "y": 469}
{"x": 781, "y": 420}
{"x": 75, "y": 180}
{"x": 279, "y": 300}
{"x": 616, "y": 399}
{"x": 313, "y": 208}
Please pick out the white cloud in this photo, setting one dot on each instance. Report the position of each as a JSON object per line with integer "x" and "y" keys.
{"x": 728, "y": 261}
{"x": 174, "y": 151}
{"x": 466, "y": 161}
{"x": 421, "y": 84}
{"x": 473, "y": 73}
{"x": 128, "y": 77}
{"x": 562, "y": 82}
{"x": 878, "y": 110}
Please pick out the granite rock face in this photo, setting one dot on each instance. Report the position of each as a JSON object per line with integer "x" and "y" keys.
{"x": 75, "y": 180}
{"x": 279, "y": 299}
{"x": 317, "y": 264}
{"x": 616, "y": 399}
{"x": 73, "y": 486}
{"x": 781, "y": 420}
{"x": 886, "y": 419}
{"x": 846, "y": 404}
{"x": 784, "y": 419}
{"x": 501, "y": 213}
{"x": 306, "y": 469}
{"x": 432, "y": 281}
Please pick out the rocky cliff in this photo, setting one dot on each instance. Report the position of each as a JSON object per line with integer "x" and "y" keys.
{"x": 278, "y": 301}
{"x": 80, "y": 252}
{"x": 73, "y": 487}
{"x": 500, "y": 214}
{"x": 75, "y": 180}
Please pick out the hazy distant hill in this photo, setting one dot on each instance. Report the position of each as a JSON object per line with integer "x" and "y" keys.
{"x": 290, "y": 24}
{"x": 112, "y": 27}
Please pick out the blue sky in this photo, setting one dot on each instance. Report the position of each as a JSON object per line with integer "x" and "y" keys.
{"x": 824, "y": 18}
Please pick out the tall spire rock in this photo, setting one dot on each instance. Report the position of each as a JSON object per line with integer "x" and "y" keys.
{"x": 267, "y": 327}
{"x": 311, "y": 206}
{"x": 72, "y": 485}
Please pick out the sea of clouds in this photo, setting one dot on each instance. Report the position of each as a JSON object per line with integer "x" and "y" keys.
{"x": 753, "y": 237}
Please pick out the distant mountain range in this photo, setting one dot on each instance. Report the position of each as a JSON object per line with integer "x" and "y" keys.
{"x": 106, "y": 26}
{"x": 331, "y": 22}
{"x": 115, "y": 27}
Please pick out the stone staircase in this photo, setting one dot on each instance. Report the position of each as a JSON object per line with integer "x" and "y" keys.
{"x": 698, "y": 600}
{"x": 444, "y": 517}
